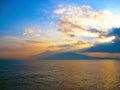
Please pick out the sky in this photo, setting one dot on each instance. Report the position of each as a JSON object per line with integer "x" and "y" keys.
{"x": 42, "y": 28}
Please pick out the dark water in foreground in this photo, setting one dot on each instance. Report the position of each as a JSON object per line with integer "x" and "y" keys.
{"x": 60, "y": 75}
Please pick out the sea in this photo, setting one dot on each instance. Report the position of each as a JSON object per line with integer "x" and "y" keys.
{"x": 59, "y": 75}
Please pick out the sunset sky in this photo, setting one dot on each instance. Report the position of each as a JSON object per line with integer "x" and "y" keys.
{"x": 44, "y": 28}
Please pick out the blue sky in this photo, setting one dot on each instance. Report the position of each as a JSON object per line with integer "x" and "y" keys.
{"x": 42, "y": 21}
{"x": 17, "y": 15}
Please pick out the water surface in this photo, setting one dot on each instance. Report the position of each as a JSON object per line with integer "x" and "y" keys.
{"x": 60, "y": 75}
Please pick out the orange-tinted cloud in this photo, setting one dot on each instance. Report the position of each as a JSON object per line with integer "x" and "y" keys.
{"x": 31, "y": 32}
{"x": 102, "y": 54}
{"x": 18, "y": 48}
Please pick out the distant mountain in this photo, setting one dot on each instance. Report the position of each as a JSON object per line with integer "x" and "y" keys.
{"x": 71, "y": 56}
{"x": 105, "y": 47}
{"x": 68, "y": 56}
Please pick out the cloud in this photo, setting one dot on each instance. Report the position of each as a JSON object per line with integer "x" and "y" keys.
{"x": 30, "y": 32}
{"x": 104, "y": 39}
{"x": 87, "y": 24}
{"x": 23, "y": 48}
{"x": 34, "y": 41}
{"x": 116, "y": 32}
{"x": 67, "y": 45}
{"x": 60, "y": 11}
{"x": 113, "y": 47}
{"x": 102, "y": 54}
{"x": 7, "y": 37}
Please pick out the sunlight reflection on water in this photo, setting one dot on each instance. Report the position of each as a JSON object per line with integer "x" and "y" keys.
{"x": 60, "y": 75}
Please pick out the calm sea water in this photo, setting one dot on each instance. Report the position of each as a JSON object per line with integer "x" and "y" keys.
{"x": 60, "y": 75}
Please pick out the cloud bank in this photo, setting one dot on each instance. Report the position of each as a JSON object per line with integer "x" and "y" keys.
{"x": 86, "y": 24}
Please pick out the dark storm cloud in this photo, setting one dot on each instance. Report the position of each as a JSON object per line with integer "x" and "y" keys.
{"x": 108, "y": 47}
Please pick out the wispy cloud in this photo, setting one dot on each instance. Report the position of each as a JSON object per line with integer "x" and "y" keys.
{"x": 19, "y": 48}
{"x": 31, "y": 32}
{"x": 60, "y": 11}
